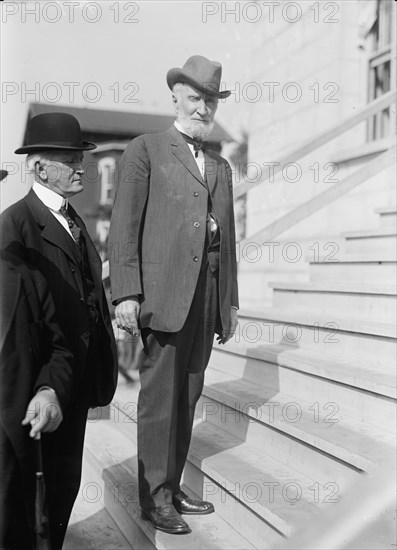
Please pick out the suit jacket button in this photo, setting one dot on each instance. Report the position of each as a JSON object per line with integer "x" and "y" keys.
{"x": 195, "y": 194}
{"x": 195, "y": 259}
{"x": 72, "y": 269}
{"x": 86, "y": 334}
{"x": 196, "y": 224}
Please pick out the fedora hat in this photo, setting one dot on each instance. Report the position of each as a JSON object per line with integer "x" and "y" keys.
{"x": 54, "y": 131}
{"x": 200, "y": 73}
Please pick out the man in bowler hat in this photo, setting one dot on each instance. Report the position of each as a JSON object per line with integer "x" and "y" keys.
{"x": 173, "y": 276}
{"x": 44, "y": 230}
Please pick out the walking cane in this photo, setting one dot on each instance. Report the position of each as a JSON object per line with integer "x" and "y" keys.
{"x": 41, "y": 518}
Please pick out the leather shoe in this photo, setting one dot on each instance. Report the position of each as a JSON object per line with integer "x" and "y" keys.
{"x": 165, "y": 518}
{"x": 185, "y": 505}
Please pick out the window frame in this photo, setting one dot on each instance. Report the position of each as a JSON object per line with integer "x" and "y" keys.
{"x": 381, "y": 125}
{"x": 106, "y": 165}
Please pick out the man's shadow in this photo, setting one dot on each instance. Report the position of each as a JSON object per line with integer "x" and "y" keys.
{"x": 232, "y": 410}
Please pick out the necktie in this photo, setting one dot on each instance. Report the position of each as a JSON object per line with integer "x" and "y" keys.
{"x": 197, "y": 144}
{"x": 74, "y": 229}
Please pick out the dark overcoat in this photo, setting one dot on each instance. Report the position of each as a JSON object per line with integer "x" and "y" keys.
{"x": 33, "y": 353}
{"x": 31, "y": 232}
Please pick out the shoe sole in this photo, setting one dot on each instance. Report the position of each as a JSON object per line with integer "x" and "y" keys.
{"x": 205, "y": 513}
{"x": 182, "y": 531}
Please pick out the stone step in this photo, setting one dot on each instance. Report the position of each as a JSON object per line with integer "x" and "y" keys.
{"x": 111, "y": 448}
{"x": 251, "y": 526}
{"x": 96, "y": 531}
{"x": 244, "y": 408}
{"x": 209, "y": 531}
{"x": 388, "y": 216}
{"x": 281, "y": 367}
{"x": 362, "y": 268}
{"x": 287, "y": 449}
{"x": 270, "y": 497}
{"x": 292, "y": 451}
{"x": 232, "y": 499}
{"x": 370, "y": 233}
{"x": 368, "y": 246}
{"x": 332, "y": 334}
{"x": 106, "y": 446}
{"x": 337, "y": 402}
{"x": 247, "y": 473}
{"x": 382, "y": 240}
{"x": 91, "y": 525}
{"x": 365, "y": 518}
{"x": 202, "y": 472}
{"x": 370, "y": 302}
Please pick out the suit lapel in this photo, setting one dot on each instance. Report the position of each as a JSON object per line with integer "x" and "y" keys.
{"x": 211, "y": 170}
{"x": 181, "y": 150}
{"x": 52, "y": 230}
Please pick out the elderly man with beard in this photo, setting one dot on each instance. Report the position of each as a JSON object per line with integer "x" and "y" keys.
{"x": 174, "y": 278}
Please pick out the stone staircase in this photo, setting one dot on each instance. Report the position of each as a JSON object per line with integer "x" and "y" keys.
{"x": 295, "y": 408}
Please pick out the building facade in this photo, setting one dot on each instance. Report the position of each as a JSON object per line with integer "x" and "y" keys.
{"x": 314, "y": 65}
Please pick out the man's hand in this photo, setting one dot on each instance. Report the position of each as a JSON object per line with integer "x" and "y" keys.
{"x": 44, "y": 413}
{"x": 127, "y": 314}
{"x": 226, "y": 336}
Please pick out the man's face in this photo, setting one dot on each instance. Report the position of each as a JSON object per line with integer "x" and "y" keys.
{"x": 195, "y": 110}
{"x": 62, "y": 171}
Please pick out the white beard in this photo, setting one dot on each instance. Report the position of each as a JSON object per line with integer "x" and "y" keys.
{"x": 198, "y": 130}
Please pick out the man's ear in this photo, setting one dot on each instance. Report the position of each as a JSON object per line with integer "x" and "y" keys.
{"x": 174, "y": 98}
{"x": 40, "y": 170}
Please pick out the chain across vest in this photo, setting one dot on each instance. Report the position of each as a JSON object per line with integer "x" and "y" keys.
{"x": 213, "y": 238}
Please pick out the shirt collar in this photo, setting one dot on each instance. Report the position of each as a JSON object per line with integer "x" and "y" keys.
{"x": 52, "y": 200}
{"x": 179, "y": 127}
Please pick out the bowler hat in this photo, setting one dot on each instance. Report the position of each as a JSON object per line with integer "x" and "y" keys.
{"x": 54, "y": 131}
{"x": 201, "y": 73}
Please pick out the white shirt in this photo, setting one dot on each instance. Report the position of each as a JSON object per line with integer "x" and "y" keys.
{"x": 53, "y": 202}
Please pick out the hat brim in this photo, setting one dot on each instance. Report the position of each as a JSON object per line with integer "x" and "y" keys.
{"x": 85, "y": 146}
{"x": 178, "y": 75}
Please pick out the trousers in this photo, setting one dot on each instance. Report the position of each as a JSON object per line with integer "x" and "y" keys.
{"x": 171, "y": 370}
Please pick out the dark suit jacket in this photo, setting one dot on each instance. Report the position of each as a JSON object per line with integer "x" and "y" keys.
{"x": 158, "y": 229}
{"x": 32, "y": 348}
{"x": 30, "y": 232}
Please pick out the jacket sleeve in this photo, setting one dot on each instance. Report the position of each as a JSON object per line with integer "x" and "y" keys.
{"x": 127, "y": 220}
{"x": 12, "y": 226}
{"x": 56, "y": 368}
{"x": 233, "y": 260}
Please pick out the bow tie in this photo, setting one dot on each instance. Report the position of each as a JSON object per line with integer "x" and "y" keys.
{"x": 197, "y": 145}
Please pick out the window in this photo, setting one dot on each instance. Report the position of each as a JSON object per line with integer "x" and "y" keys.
{"x": 380, "y": 47}
{"x": 106, "y": 171}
